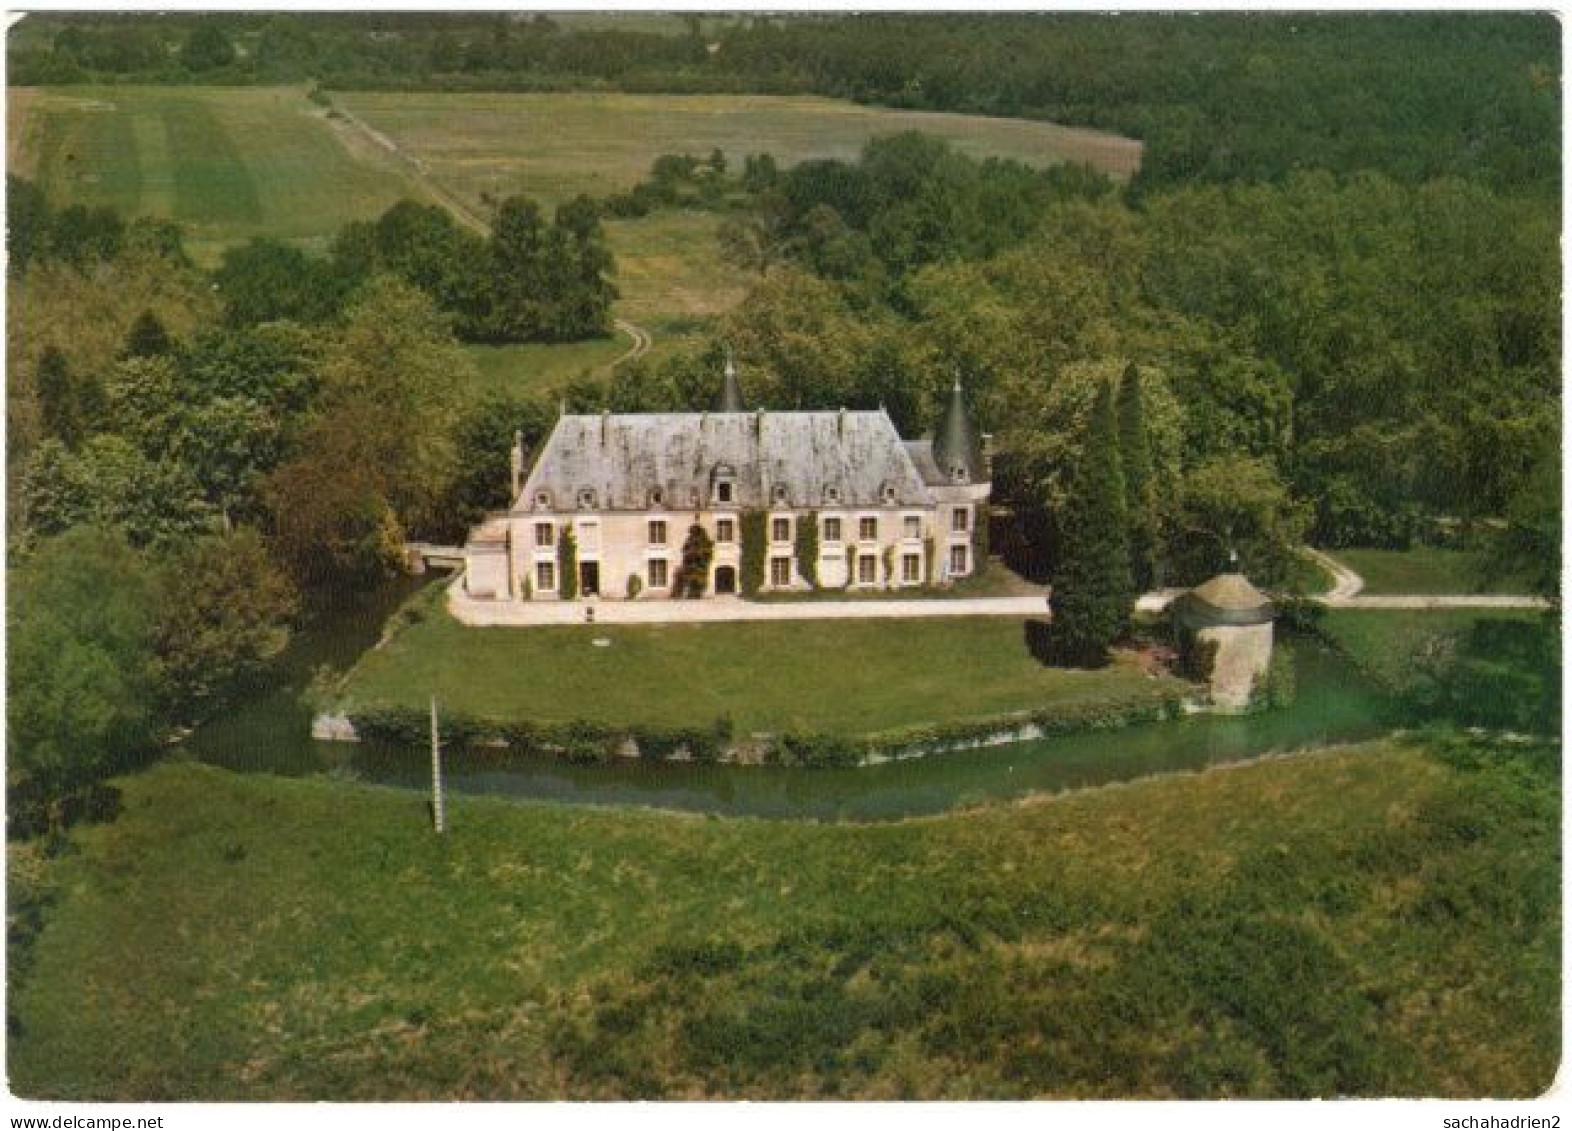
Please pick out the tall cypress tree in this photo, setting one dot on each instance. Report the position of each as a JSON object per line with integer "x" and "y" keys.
{"x": 1140, "y": 489}
{"x": 1093, "y": 589}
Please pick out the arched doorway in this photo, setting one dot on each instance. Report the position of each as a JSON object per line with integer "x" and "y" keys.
{"x": 725, "y": 580}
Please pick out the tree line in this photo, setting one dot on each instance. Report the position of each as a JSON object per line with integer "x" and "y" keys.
{"x": 183, "y": 483}
{"x": 1215, "y": 97}
{"x": 1350, "y": 360}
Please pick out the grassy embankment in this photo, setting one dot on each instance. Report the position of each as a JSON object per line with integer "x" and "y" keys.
{"x": 845, "y": 677}
{"x": 1392, "y": 645}
{"x": 1374, "y": 920}
{"x": 1426, "y": 569}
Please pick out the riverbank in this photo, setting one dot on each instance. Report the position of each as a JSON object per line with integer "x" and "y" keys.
{"x": 1311, "y": 925}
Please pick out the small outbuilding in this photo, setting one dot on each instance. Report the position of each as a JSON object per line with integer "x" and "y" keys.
{"x": 1225, "y": 637}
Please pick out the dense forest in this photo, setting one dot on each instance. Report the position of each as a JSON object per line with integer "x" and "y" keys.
{"x": 1327, "y": 309}
{"x": 1215, "y": 97}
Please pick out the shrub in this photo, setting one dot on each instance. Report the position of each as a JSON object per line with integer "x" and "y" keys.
{"x": 635, "y": 586}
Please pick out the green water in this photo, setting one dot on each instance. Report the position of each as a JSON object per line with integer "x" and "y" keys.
{"x": 270, "y": 733}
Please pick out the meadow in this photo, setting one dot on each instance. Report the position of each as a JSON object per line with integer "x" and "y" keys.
{"x": 228, "y": 164}
{"x": 232, "y": 163}
{"x": 1366, "y": 921}
{"x": 846, "y": 677}
{"x": 554, "y": 146}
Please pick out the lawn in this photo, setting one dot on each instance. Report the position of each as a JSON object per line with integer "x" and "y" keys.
{"x": 227, "y": 163}
{"x": 1425, "y": 569}
{"x": 848, "y": 677}
{"x": 1367, "y": 921}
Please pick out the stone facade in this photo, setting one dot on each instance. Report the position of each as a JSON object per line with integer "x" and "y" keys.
{"x": 891, "y": 514}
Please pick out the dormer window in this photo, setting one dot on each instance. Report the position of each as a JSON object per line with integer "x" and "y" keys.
{"x": 657, "y": 497}
{"x": 721, "y": 479}
{"x": 586, "y": 498}
{"x": 778, "y": 493}
{"x": 958, "y": 473}
{"x": 543, "y": 500}
{"x": 888, "y": 493}
{"x": 832, "y": 494}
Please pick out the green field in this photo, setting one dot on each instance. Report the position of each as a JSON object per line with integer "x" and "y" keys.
{"x": 553, "y": 146}
{"x": 226, "y": 163}
{"x": 1391, "y": 645}
{"x": 1372, "y": 921}
{"x": 836, "y": 676}
{"x": 1426, "y": 569}
{"x": 535, "y": 368}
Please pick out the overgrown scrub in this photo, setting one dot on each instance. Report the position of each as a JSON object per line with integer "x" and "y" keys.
{"x": 1474, "y": 668}
{"x": 1377, "y": 920}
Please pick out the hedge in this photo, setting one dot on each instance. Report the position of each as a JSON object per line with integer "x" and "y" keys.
{"x": 588, "y": 742}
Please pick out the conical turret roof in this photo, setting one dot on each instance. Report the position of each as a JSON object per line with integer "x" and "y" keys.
{"x": 1227, "y": 599}
{"x": 955, "y": 445}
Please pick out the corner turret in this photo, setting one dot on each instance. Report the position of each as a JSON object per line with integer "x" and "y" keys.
{"x": 956, "y": 449}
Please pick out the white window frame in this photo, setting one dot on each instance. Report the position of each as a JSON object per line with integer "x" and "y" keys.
{"x": 911, "y": 569}
{"x": 963, "y": 552}
{"x": 780, "y": 563}
{"x": 833, "y": 539}
{"x": 550, "y": 531}
{"x": 546, "y": 577}
{"x": 961, "y": 520}
{"x": 872, "y": 561}
{"x": 776, "y": 523}
{"x": 911, "y": 527}
{"x": 725, "y": 531}
{"x": 657, "y": 526}
{"x": 649, "y": 574}
{"x": 864, "y": 520}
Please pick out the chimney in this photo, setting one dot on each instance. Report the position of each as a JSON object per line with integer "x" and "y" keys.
{"x": 605, "y": 425}
{"x": 840, "y": 424}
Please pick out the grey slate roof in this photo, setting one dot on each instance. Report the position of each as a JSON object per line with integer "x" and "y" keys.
{"x": 955, "y": 444}
{"x": 623, "y": 458}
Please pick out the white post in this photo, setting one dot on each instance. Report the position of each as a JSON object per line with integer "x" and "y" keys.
{"x": 438, "y": 816}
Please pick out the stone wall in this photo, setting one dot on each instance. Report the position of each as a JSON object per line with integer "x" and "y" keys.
{"x": 1243, "y": 656}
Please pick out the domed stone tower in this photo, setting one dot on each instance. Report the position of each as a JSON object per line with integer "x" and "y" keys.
{"x": 1227, "y": 621}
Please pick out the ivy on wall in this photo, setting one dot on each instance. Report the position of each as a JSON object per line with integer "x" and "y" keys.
{"x": 751, "y": 531}
{"x": 807, "y": 548}
{"x": 568, "y": 564}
